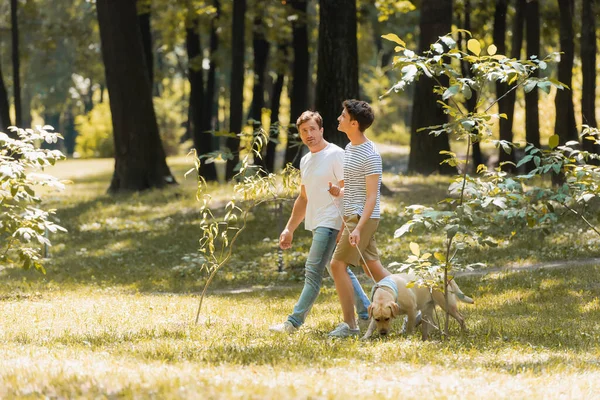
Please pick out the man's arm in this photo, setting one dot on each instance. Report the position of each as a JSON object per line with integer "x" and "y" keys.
{"x": 298, "y": 213}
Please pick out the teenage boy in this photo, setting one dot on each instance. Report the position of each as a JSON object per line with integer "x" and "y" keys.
{"x": 323, "y": 164}
{"x": 362, "y": 182}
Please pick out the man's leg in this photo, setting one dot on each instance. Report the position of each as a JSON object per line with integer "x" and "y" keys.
{"x": 319, "y": 255}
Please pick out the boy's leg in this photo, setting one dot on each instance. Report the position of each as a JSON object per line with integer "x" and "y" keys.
{"x": 377, "y": 269}
{"x": 343, "y": 286}
{"x": 361, "y": 300}
{"x": 319, "y": 255}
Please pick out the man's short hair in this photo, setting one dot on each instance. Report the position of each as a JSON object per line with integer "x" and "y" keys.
{"x": 361, "y": 112}
{"x": 307, "y": 116}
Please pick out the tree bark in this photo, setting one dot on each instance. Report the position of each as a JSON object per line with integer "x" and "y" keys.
{"x": 532, "y": 120}
{"x": 470, "y": 104}
{"x": 261, "y": 53}
{"x": 236, "y": 105}
{"x": 337, "y": 68}
{"x": 425, "y": 158}
{"x": 300, "y": 78}
{"x": 16, "y": 62}
{"x": 202, "y": 140}
{"x": 144, "y": 13}
{"x": 275, "y": 126}
{"x": 4, "y": 106}
{"x": 140, "y": 161}
{"x": 208, "y": 110}
{"x": 565, "y": 126}
{"x": 588, "y": 67}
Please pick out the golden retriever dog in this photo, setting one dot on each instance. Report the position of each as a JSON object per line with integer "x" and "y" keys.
{"x": 392, "y": 298}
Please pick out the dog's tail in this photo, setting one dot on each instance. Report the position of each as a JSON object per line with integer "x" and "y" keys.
{"x": 459, "y": 294}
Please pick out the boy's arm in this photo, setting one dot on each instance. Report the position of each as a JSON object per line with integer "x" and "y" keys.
{"x": 298, "y": 214}
{"x": 372, "y": 185}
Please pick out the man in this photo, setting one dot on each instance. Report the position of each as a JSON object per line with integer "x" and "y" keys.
{"x": 362, "y": 182}
{"x": 314, "y": 205}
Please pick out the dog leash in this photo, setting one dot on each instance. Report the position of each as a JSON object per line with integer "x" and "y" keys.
{"x": 348, "y": 230}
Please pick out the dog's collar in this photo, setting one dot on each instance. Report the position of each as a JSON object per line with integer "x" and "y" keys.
{"x": 385, "y": 283}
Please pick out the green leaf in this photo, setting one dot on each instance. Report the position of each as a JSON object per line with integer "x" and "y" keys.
{"x": 392, "y": 37}
{"x": 440, "y": 257}
{"x": 474, "y": 46}
{"x": 528, "y": 87}
{"x": 451, "y": 91}
{"x": 553, "y": 141}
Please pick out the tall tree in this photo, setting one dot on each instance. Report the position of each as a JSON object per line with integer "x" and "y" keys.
{"x": 470, "y": 104}
{"x": 499, "y": 37}
{"x": 261, "y": 48}
{"x": 4, "y": 105}
{"x": 532, "y": 32}
{"x": 337, "y": 68}
{"x": 140, "y": 161}
{"x": 144, "y": 8}
{"x": 16, "y": 62}
{"x": 588, "y": 68}
{"x": 300, "y": 76}
{"x": 236, "y": 105}
{"x": 425, "y": 157}
{"x": 201, "y": 138}
{"x": 565, "y": 126}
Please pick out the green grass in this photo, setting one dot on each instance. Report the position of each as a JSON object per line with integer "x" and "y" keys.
{"x": 113, "y": 316}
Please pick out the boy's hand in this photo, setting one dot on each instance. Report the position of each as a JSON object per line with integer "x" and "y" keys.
{"x": 354, "y": 237}
{"x": 285, "y": 239}
{"x": 334, "y": 190}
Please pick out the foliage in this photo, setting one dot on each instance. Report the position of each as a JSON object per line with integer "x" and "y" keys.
{"x": 253, "y": 188}
{"x": 95, "y": 137}
{"x": 474, "y": 208}
{"x": 23, "y": 225}
{"x": 171, "y": 115}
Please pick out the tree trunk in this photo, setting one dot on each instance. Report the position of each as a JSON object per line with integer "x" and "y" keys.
{"x": 499, "y": 38}
{"x": 261, "y": 54}
{"x": 425, "y": 158}
{"x": 236, "y": 105}
{"x": 202, "y": 139}
{"x": 16, "y": 63}
{"x": 470, "y": 104}
{"x": 300, "y": 78}
{"x": 208, "y": 110}
{"x": 140, "y": 161}
{"x": 588, "y": 67}
{"x": 144, "y": 12}
{"x": 337, "y": 68}
{"x": 532, "y": 120}
{"x": 565, "y": 126}
{"x": 275, "y": 126}
{"x": 4, "y": 106}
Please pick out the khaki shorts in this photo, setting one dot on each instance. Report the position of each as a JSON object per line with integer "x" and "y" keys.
{"x": 368, "y": 247}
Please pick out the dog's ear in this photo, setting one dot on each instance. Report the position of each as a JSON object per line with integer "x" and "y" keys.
{"x": 370, "y": 309}
{"x": 395, "y": 309}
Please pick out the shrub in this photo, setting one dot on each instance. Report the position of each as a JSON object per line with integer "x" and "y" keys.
{"x": 22, "y": 224}
{"x": 95, "y": 138}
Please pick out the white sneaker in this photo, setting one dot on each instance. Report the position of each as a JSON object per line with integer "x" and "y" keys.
{"x": 286, "y": 327}
{"x": 343, "y": 330}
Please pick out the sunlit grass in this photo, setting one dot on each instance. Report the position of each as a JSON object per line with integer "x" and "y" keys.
{"x": 114, "y": 314}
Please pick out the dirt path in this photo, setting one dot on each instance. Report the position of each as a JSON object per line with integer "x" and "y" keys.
{"x": 478, "y": 272}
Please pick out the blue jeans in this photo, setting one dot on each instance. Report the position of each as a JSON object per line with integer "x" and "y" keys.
{"x": 319, "y": 258}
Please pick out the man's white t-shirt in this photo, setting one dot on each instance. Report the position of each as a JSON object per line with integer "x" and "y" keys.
{"x": 317, "y": 170}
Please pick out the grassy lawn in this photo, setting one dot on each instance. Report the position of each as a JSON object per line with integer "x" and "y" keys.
{"x": 113, "y": 316}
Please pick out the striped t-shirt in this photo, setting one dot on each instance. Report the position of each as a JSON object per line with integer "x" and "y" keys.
{"x": 359, "y": 162}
